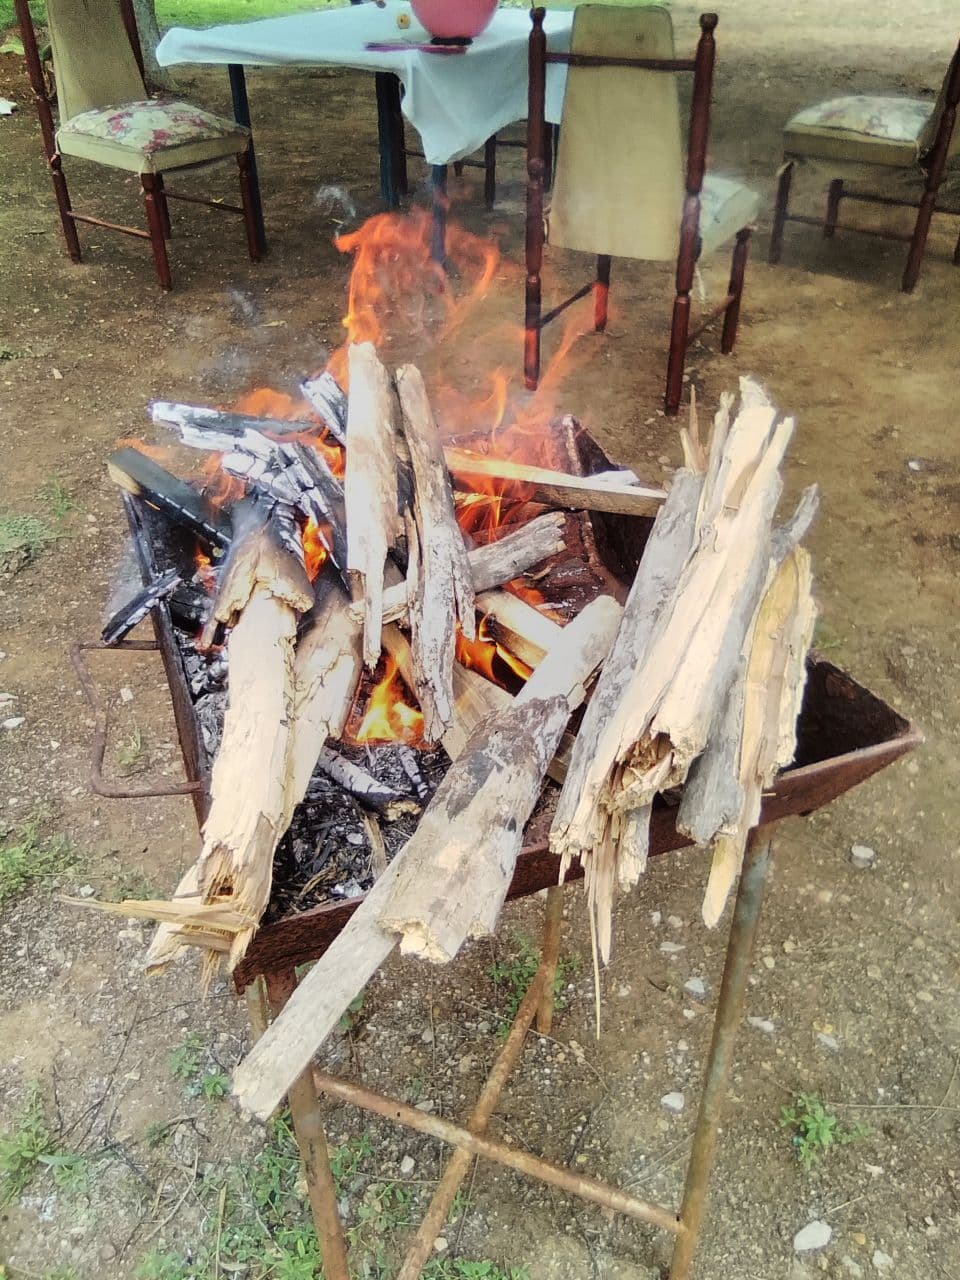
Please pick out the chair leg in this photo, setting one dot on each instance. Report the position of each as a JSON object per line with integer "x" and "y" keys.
{"x": 956, "y": 253}
{"x": 780, "y": 212}
{"x": 601, "y": 293}
{"x": 163, "y": 207}
{"x": 63, "y": 204}
{"x": 834, "y": 196}
{"x": 458, "y": 168}
{"x": 155, "y": 223}
{"x": 490, "y": 172}
{"x": 918, "y": 243}
{"x": 738, "y": 269}
{"x": 680, "y": 323}
{"x": 254, "y": 247}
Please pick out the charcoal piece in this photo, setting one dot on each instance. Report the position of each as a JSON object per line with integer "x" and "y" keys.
{"x": 134, "y": 472}
{"x": 189, "y": 605}
{"x": 327, "y": 399}
{"x": 136, "y": 609}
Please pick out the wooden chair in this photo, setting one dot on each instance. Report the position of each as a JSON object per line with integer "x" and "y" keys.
{"x": 899, "y": 137}
{"x": 106, "y": 116}
{"x": 619, "y": 185}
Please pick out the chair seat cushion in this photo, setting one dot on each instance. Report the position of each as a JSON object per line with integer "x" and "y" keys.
{"x": 726, "y": 207}
{"x": 151, "y": 135}
{"x": 862, "y": 130}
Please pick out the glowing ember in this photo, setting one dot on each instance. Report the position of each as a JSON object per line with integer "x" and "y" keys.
{"x": 314, "y": 551}
{"x": 483, "y": 653}
{"x": 388, "y": 717}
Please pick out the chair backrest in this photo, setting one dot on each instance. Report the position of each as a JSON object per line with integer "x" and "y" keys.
{"x": 943, "y": 122}
{"x": 96, "y": 54}
{"x": 620, "y": 178}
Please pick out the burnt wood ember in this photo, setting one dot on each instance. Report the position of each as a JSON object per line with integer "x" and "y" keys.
{"x": 136, "y": 609}
{"x": 197, "y": 422}
{"x": 181, "y": 502}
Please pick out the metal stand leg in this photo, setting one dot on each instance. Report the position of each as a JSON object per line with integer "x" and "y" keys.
{"x": 743, "y": 934}
{"x": 387, "y": 93}
{"x": 312, "y": 1141}
{"x": 241, "y": 113}
{"x": 438, "y": 187}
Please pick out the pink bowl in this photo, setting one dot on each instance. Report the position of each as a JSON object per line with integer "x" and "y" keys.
{"x": 454, "y": 19}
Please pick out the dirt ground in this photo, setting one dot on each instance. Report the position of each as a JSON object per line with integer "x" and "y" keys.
{"x": 856, "y": 981}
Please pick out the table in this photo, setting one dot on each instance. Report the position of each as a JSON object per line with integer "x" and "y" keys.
{"x": 455, "y": 101}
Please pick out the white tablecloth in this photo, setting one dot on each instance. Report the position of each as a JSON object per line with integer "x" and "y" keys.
{"x": 455, "y": 101}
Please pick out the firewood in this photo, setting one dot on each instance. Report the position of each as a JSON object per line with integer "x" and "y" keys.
{"x": 328, "y": 400}
{"x": 364, "y": 787}
{"x": 668, "y": 684}
{"x": 496, "y": 562}
{"x": 519, "y": 626}
{"x": 556, "y": 488}
{"x": 197, "y": 420}
{"x": 136, "y": 609}
{"x": 440, "y": 586}
{"x": 373, "y": 523}
{"x": 134, "y": 472}
{"x": 338, "y": 977}
{"x": 457, "y": 866}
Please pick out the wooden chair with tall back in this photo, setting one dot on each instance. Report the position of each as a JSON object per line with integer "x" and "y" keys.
{"x": 107, "y": 117}
{"x": 621, "y": 188}
{"x": 885, "y": 138}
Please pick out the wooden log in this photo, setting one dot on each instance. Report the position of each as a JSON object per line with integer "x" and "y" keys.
{"x": 315, "y": 1008}
{"x": 364, "y": 787}
{"x": 518, "y": 626}
{"x": 556, "y": 488}
{"x": 327, "y": 399}
{"x": 122, "y": 622}
{"x": 457, "y": 866}
{"x": 134, "y": 472}
{"x": 370, "y": 489}
{"x": 496, "y": 562}
{"x": 440, "y": 585}
{"x": 202, "y": 423}
{"x": 773, "y": 693}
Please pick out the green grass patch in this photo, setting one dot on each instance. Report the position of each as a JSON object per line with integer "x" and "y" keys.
{"x": 31, "y": 1148}
{"x": 513, "y": 976}
{"x": 816, "y": 1130}
{"x": 22, "y": 539}
{"x": 194, "y": 13}
{"x": 28, "y": 857}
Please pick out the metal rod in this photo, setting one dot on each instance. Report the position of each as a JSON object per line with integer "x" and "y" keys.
{"x": 241, "y": 113}
{"x": 575, "y": 1184}
{"x": 550, "y": 956}
{"x": 743, "y": 934}
{"x": 312, "y": 1141}
{"x": 459, "y": 1163}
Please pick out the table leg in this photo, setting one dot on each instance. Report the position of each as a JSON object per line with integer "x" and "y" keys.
{"x": 390, "y": 176}
{"x": 438, "y": 187}
{"x": 241, "y": 113}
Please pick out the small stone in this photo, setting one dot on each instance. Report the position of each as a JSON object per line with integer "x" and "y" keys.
{"x": 86, "y": 891}
{"x": 655, "y": 917}
{"x": 825, "y": 896}
{"x": 483, "y": 1028}
{"x": 426, "y": 1035}
{"x": 828, "y": 1041}
{"x": 874, "y": 971}
{"x": 671, "y": 948}
{"x": 695, "y": 987}
{"x": 126, "y": 694}
{"x": 354, "y": 837}
{"x": 762, "y": 1024}
{"x": 815, "y": 1235}
{"x": 925, "y": 996}
{"x": 407, "y": 1166}
{"x": 14, "y": 722}
{"x": 673, "y": 1102}
{"x": 426, "y": 1106}
{"x": 881, "y": 1261}
{"x": 7, "y": 700}
{"x": 689, "y": 1014}
{"x": 440, "y": 1244}
{"x": 769, "y": 962}
{"x": 875, "y": 1171}
{"x": 674, "y": 922}
{"x": 862, "y": 856}
{"x": 852, "y": 1268}
{"x": 466, "y": 1064}
{"x": 789, "y": 946}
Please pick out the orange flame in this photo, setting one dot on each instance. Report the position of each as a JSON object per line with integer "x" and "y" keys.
{"x": 388, "y": 717}
{"x": 483, "y": 654}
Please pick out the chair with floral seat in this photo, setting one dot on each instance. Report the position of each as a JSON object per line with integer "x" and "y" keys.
{"x": 896, "y": 142}
{"x": 107, "y": 116}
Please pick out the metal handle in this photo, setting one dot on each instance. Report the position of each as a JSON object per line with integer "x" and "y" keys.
{"x": 101, "y": 785}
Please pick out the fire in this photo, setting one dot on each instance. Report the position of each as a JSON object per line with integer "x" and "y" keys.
{"x": 484, "y": 653}
{"x": 388, "y": 717}
{"x": 314, "y": 549}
